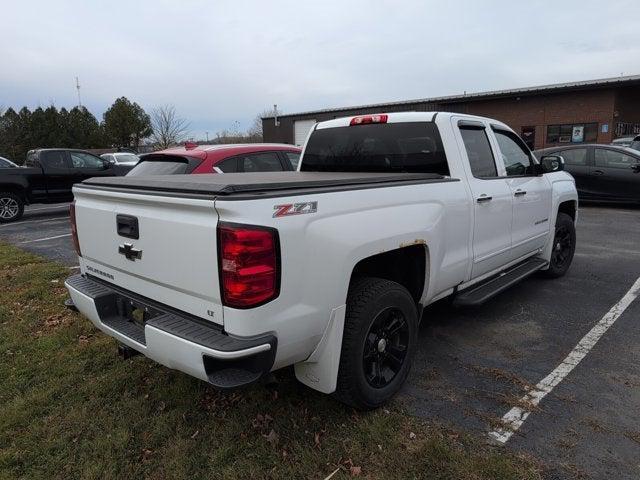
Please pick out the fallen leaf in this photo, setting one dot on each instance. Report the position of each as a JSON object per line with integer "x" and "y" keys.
{"x": 355, "y": 470}
{"x": 412, "y": 435}
{"x": 273, "y": 438}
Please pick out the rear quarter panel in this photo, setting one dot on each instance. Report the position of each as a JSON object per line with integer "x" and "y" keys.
{"x": 320, "y": 250}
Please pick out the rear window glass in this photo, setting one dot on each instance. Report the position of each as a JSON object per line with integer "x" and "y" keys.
{"x": 158, "y": 168}
{"x": 413, "y": 147}
{"x": 127, "y": 158}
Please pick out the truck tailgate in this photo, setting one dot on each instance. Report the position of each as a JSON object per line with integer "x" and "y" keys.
{"x": 177, "y": 263}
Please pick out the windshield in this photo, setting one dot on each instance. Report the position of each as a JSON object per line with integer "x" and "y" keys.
{"x": 4, "y": 163}
{"x": 635, "y": 145}
{"x": 158, "y": 168}
{"x": 411, "y": 147}
{"x": 127, "y": 158}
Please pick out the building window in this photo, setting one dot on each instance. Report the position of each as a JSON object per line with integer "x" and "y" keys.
{"x": 572, "y": 133}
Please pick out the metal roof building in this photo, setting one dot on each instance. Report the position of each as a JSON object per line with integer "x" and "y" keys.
{"x": 584, "y": 111}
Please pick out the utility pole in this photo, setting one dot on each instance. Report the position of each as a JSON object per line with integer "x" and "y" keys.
{"x": 78, "y": 88}
{"x": 207, "y": 136}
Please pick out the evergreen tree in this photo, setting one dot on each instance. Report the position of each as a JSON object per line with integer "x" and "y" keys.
{"x": 126, "y": 123}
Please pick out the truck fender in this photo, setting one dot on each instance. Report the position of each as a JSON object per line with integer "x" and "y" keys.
{"x": 563, "y": 190}
{"x": 320, "y": 370}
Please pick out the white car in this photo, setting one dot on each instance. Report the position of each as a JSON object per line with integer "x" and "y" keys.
{"x": 228, "y": 277}
{"x": 121, "y": 158}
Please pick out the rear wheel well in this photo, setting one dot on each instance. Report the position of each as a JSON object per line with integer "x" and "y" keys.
{"x": 405, "y": 266}
{"x": 568, "y": 207}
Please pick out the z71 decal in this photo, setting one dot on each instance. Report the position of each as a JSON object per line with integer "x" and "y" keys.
{"x": 295, "y": 209}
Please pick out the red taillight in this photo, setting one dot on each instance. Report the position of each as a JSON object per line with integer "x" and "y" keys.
{"x": 74, "y": 227}
{"x": 367, "y": 119}
{"x": 249, "y": 267}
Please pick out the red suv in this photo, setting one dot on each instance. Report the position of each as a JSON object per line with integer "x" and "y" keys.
{"x": 229, "y": 158}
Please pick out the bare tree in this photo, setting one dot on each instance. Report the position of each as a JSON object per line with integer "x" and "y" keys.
{"x": 168, "y": 128}
{"x": 255, "y": 130}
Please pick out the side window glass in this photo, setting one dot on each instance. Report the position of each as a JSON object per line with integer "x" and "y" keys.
{"x": 575, "y": 156}
{"x": 230, "y": 165}
{"x": 612, "y": 159}
{"x": 261, "y": 162}
{"x": 294, "y": 158}
{"x": 56, "y": 160}
{"x": 515, "y": 157}
{"x": 481, "y": 160}
{"x": 84, "y": 160}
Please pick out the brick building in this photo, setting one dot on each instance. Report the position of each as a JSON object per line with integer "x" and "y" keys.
{"x": 588, "y": 111}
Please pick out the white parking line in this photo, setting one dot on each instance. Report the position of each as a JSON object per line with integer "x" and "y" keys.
{"x": 43, "y": 239}
{"x": 53, "y": 207}
{"x": 41, "y": 221}
{"x": 515, "y": 417}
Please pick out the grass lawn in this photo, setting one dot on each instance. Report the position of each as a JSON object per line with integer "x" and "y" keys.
{"x": 70, "y": 408}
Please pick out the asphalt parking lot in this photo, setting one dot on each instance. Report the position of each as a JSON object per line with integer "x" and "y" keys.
{"x": 475, "y": 365}
{"x": 43, "y": 230}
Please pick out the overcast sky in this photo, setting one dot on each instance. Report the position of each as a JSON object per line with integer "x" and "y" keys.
{"x": 222, "y": 62}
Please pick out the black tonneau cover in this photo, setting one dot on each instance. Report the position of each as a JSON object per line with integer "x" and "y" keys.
{"x": 256, "y": 183}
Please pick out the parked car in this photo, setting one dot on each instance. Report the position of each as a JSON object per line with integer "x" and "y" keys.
{"x": 229, "y": 158}
{"x": 121, "y": 158}
{"x": 622, "y": 141}
{"x": 227, "y": 277}
{"x": 602, "y": 172}
{"x": 6, "y": 163}
{"x": 48, "y": 178}
{"x": 122, "y": 162}
{"x": 635, "y": 144}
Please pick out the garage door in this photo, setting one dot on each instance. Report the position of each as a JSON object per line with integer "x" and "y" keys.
{"x": 301, "y": 130}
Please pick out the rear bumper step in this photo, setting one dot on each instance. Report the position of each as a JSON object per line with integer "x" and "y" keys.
{"x": 479, "y": 294}
{"x": 180, "y": 342}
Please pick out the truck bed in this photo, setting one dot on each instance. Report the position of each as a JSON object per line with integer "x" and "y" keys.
{"x": 259, "y": 184}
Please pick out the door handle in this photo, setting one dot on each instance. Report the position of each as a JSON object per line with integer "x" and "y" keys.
{"x": 520, "y": 193}
{"x": 597, "y": 172}
{"x": 483, "y": 198}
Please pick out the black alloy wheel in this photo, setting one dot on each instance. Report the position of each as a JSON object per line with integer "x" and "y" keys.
{"x": 385, "y": 347}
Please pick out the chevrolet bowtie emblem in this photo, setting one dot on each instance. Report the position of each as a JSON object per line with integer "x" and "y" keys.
{"x": 129, "y": 252}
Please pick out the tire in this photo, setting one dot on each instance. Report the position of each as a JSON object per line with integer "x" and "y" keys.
{"x": 381, "y": 328}
{"x": 564, "y": 246}
{"x": 11, "y": 207}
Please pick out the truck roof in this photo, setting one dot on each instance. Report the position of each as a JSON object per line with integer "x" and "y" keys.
{"x": 397, "y": 117}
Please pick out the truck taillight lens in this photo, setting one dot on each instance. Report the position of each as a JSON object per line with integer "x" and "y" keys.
{"x": 74, "y": 228}
{"x": 249, "y": 264}
{"x": 367, "y": 119}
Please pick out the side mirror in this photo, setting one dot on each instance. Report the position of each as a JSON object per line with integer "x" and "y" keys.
{"x": 552, "y": 163}
{"x": 107, "y": 164}
{"x": 636, "y": 168}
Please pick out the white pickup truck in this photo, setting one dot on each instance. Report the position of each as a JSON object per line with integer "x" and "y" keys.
{"x": 228, "y": 277}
